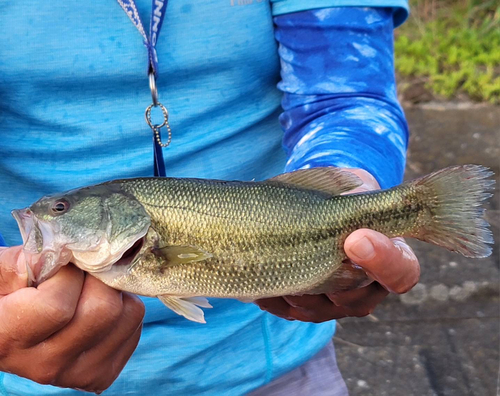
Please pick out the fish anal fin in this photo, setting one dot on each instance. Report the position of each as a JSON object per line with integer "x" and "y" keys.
{"x": 330, "y": 180}
{"x": 181, "y": 254}
{"x": 187, "y": 306}
{"x": 348, "y": 276}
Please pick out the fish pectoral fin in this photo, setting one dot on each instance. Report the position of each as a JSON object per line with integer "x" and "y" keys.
{"x": 187, "y": 306}
{"x": 330, "y": 180}
{"x": 181, "y": 254}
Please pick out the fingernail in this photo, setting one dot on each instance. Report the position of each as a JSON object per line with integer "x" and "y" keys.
{"x": 291, "y": 302}
{"x": 362, "y": 249}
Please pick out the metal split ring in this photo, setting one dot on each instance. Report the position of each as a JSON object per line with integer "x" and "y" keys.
{"x": 154, "y": 90}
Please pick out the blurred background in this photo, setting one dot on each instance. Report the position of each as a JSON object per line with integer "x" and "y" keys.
{"x": 443, "y": 337}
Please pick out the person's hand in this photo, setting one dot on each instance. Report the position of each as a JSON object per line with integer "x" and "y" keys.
{"x": 389, "y": 262}
{"x": 71, "y": 331}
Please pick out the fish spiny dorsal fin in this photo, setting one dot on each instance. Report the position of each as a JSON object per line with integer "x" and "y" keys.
{"x": 330, "y": 180}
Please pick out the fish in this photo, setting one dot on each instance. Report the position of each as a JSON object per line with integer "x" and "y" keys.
{"x": 185, "y": 240}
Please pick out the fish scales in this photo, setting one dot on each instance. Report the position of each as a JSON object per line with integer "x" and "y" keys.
{"x": 253, "y": 253}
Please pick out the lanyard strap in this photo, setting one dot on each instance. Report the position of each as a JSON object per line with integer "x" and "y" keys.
{"x": 158, "y": 9}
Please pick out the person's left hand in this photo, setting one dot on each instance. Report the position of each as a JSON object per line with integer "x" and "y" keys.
{"x": 391, "y": 263}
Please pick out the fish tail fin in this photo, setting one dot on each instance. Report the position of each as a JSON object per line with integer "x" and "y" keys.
{"x": 455, "y": 217}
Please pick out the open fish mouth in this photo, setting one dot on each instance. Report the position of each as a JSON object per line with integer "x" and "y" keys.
{"x": 44, "y": 255}
{"x": 130, "y": 254}
{"x": 24, "y": 218}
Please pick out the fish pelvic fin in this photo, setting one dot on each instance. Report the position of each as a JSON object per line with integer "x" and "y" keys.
{"x": 329, "y": 180}
{"x": 187, "y": 306}
{"x": 455, "y": 216}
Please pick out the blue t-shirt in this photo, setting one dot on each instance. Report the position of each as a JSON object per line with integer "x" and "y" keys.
{"x": 73, "y": 91}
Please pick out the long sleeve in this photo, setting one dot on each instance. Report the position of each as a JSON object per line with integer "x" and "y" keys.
{"x": 340, "y": 103}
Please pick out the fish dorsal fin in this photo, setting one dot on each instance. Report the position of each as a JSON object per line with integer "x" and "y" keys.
{"x": 330, "y": 180}
{"x": 181, "y": 254}
{"x": 187, "y": 306}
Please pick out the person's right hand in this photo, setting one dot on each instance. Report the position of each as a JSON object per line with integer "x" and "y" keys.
{"x": 71, "y": 331}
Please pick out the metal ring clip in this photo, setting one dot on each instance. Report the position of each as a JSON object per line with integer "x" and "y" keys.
{"x": 148, "y": 116}
{"x": 154, "y": 91}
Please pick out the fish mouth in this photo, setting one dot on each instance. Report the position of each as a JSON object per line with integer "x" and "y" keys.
{"x": 44, "y": 255}
{"x": 131, "y": 254}
{"x": 24, "y": 218}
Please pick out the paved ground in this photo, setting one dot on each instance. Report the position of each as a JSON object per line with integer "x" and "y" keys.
{"x": 442, "y": 338}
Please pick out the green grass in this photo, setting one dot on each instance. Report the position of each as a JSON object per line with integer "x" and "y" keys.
{"x": 454, "y": 46}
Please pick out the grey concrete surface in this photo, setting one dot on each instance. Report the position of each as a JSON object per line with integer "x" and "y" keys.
{"x": 443, "y": 337}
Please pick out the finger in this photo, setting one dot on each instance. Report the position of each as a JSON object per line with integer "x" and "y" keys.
{"x": 94, "y": 380}
{"x": 328, "y": 311}
{"x": 359, "y": 302}
{"x": 310, "y": 302}
{"x": 284, "y": 310}
{"x": 120, "y": 360}
{"x": 129, "y": 321}
{"x": 13, "y": 273}
{"x": 31, "y": 315}
{"x": 99, "y": 309}
{"x": 112, "y": 352}
{"x": 369, "y": 182}
{"x": 390, "y": 262}
{"x": 363, "y": 300}
{"x": 312, "y": 308}
{"x": 74, "y": 359}
{"x": 276, "y": 305}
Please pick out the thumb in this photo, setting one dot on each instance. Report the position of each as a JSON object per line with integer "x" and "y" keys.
{"x": 13, "y": 270}
{"x": 391, "y": 262}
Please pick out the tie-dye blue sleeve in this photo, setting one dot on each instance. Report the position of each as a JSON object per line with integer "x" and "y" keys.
{"x": 400, "y": 8}
{"x": 2, "y": 241}
{"x": 340, "y": 102}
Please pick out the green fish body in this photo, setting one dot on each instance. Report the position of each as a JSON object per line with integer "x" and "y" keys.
{"x": 184, "y": 239}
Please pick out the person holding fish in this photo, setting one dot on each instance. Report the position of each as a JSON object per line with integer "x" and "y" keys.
{"x": 279, "y": 256}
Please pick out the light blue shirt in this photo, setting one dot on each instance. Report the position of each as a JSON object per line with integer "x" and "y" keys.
{"x": 73, "y": 89}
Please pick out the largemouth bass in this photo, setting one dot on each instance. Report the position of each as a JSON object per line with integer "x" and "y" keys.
{"x": 183, "y": 240}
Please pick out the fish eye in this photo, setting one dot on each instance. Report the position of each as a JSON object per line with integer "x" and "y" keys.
{"x": 59, "y": 207}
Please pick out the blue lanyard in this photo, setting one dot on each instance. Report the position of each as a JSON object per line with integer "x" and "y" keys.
{"x": 158, "y": 9}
